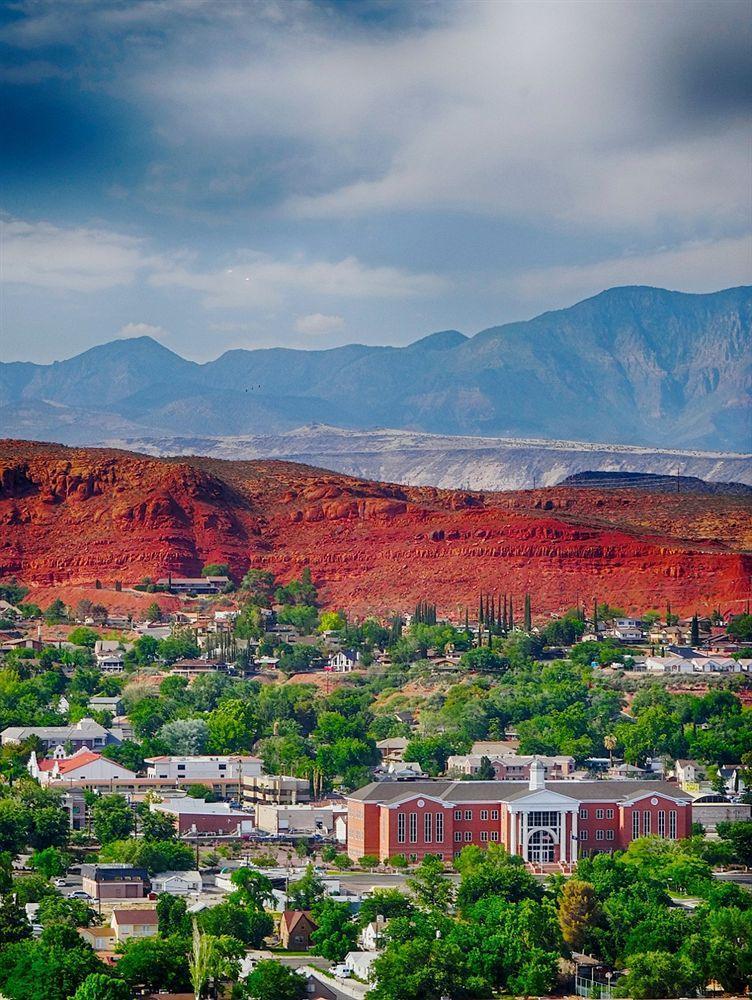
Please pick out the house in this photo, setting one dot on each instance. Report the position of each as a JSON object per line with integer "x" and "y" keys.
{"x": 85, "y": 733}
{"x": 74, "y": 803}
{"x": 204, "y": 767}
{"x": 111, "y": 662}
{"x": 104, "y": 703}
{"x": 546, "y": 823}
{"x": 280, "y": 789}
{"x": 626, "y": 630}
{"x": 99, "y": 938}
{"x": 392, "y": 750}
{"x": 82, "y": 765}
{"x": 197, "y": 668}
{"x": 194, "y": 584}
{"x": 345, "y": 661}
{"x": 359, "y": 963}
{"x": 371, "y": 938}
{"x": 295, "y": 929}
{"x": 114, "y": 881}
{"x": 199, "y": 817}
{"x": 177, "y": 883}
{"x": 132, "y": 923}
{"x": 510, "y": 766}
{"x": 408, "y": 770}
{"x": 689, "y": 774}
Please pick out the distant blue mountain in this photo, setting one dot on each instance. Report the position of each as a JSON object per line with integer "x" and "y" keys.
{"x": 631, "y": 365}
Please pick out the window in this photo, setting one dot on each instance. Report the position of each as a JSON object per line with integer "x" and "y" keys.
{"x": 599, "y": 835}
{"x": 550, "y": 819}
{"x": 582, "y": 835}
{"x": 428, "y": 827}
{"x": 484, "y": 814}
{"x": 494, "y": 814}
{"x": 222, "y": 767}
{"x": 635, "y": 824}
{"x": 400, "y": 828}
{"x": 609, "y": 814}
{"x": 583, "y": 814}
{"x": 413, "y": 857}
{"x": 439, "y": 828}
{"x": 599, "y": 813}
{"x": 609, "y": 834}
{"x": 468, "y": 836}
{"x": 661, "y": 823}
{"x": 457, "y": 836}
{"x": 672, "y": 824}
{"x": 646, "y": 821}
{"x": 468, "y": 814}
{"x": 484, "y": 836}
{"x": 494, "y": 835}
{"x": 458, "y": 815}
{"x": 413, "y": 828}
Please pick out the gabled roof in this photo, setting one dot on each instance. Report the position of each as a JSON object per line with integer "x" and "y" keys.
{"x": 291, "y": 918}
{"x": 140, "y": 917}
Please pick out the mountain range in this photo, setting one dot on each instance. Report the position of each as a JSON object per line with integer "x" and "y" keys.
{"x": 635, "y": 365}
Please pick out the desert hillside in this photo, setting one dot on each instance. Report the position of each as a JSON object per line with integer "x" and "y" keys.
{"x": 74, "y": 515}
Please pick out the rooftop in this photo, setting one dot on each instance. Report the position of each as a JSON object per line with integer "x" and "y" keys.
{"x": 499, "y": 791}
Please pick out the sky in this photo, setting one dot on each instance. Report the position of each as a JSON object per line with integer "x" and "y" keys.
{"x": 308, "y": 174}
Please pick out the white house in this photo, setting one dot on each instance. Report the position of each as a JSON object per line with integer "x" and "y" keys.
{"x": 112, "y": 662}
{"x": 177, "y": 883}
{"x": 233, "y": 767}
{"x": 344, "y": 661}
{"x": 359, "y": 963}
{"x": 132, "y": 923}
{"x": 371, "y": 938}
{"x": 84, "y": 764}
{"x": 627, "y": 630}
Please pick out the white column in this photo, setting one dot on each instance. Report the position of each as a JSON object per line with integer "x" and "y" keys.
{"x": 513, "y": 844}
{"x": 524, "y": 836}
{"x": 575, "y": 842}
{"x": 563, "y": 836}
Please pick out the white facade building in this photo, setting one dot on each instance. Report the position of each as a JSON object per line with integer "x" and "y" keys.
{"x": 233, "y": 767}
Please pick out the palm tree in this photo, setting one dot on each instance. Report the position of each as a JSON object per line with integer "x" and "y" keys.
{"x": 609, "y": 743}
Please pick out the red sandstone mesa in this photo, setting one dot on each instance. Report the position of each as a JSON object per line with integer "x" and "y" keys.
{"x": 73, "y": 515}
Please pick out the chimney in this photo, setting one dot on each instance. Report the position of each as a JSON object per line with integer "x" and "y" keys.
{"x": 537, "y": 776}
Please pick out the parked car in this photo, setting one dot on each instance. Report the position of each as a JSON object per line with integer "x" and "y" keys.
{"x": 78, "y": 894}
{"x": 341, "y": 971}
{"x": 59, "y": 882}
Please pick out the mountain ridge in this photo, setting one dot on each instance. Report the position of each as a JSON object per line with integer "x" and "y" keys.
{"x": 71, "y": 516}
{"x": 633, "y": 365}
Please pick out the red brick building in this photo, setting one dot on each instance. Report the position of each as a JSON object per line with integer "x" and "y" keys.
{"x": 544, "y": 822}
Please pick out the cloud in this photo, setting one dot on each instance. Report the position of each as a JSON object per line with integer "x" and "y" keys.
{"x": 584, "y": 113}
{"x": 130, "y": 330}
{"x": 261, "y": 281}
{"x": 697, "y": 266}
{"x": 77, "y": 259}
{"x": 318, "y": 323}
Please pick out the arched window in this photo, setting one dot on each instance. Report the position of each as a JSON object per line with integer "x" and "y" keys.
{"x": 540, "y": 847}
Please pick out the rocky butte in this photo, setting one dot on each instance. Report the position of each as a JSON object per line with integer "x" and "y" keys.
{"x": 69, "y": 516}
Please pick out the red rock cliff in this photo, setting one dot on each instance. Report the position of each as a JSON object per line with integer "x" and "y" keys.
{"x": 71, "y": 515}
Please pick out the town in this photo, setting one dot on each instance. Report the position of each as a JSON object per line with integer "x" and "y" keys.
{"x": 233, "y": 788}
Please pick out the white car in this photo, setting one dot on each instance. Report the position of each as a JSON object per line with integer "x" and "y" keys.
{"x": 60, "y": 883}
{"x": 78, "y": 894}
{"x": 341, "y": 971}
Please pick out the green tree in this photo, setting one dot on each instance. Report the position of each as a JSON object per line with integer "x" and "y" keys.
{"x": 15, "y": 826}
{"x": 49, "y": 827}
{"x": 336, "y": 933}
{"x": 13, "y": 923}
{"x": 112, "y": 818}
{"x": 57, "y": 909}
{"x": 153, "y": 613}
{"x": 157, "y": 826}
{"x": 83, "y": 636}
{"x": 216, "y": 569}
{"x": 306, "y": 892}
{"x": 155, "y": 963}
{"x": 657, "y": 974}
{"x": 252, "y": 889}
{"x": 430, "y": 885}
{"x": 740, "y": 628}
{"x": 739, "y": 835}
{"x": 272, "y": 981}
{"x": 51, "y": 861}
{"x": 331, "y": 621}
{"x": 172, "y": 915}
{"x": 258, "y": 587}
{"x": 100, "y": 986}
